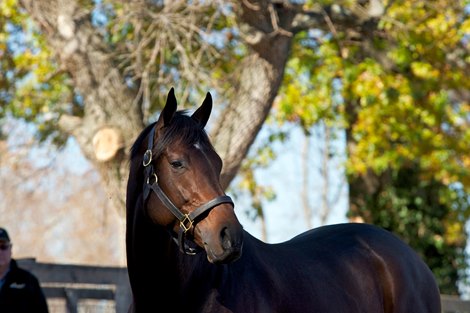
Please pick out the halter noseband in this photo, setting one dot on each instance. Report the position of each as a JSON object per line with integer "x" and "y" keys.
{"x": 187, "y": 221}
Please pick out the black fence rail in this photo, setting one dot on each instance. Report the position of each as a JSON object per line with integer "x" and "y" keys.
{"x": 67, "y": 287}
{"x": 107, "y": 289}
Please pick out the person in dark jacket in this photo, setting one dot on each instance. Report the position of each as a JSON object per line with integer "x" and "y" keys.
{"x": 20, "y": 291}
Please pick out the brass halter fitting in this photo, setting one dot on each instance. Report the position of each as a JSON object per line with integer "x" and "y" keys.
{"x": 186, "y": 223}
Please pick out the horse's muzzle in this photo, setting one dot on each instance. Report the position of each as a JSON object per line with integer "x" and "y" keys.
{"x": 231, "y": 242}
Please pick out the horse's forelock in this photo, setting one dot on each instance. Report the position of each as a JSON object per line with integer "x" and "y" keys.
{"x": 182, "y": 129}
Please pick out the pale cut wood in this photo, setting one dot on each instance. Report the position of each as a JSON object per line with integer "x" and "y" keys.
{"x": 106, "y": 143}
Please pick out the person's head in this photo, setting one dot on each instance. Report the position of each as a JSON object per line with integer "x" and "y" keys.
{"x": 5, "y": 248}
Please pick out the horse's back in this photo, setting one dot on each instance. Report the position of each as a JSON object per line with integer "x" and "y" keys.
{"x": 345, "y": 268}
{"x": 364, "y": 257}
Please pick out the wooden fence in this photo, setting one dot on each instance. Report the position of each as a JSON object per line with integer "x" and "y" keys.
{"x": 75, "y": 284}
{"x": 107, "y": 286}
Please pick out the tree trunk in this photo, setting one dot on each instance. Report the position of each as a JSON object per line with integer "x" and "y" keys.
{"x": 305, "y": 191}
{"x": 265, "y": 28}
{"x": 109, "y": 103}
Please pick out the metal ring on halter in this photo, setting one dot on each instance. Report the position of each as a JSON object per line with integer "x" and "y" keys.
{"x": 154, "y": 175}
{"x": 147, "y": 158}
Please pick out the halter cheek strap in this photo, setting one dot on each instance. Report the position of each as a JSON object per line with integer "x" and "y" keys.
{"x": 187, "y": 221}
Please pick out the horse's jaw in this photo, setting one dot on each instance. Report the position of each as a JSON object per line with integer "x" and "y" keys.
{"x": 226, "y": 257}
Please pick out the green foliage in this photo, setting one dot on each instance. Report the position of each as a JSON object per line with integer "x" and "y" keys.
{"x": 417, "y": 90}
{"x": 260, "y": 158}
{"x": 32, "y": 87}
{"x": 310, "y": 87}
{"x": 192, "y": 46}
{"x": 398, "y": 106}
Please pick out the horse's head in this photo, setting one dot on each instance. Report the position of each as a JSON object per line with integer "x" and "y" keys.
{"x": 182, "y": 190}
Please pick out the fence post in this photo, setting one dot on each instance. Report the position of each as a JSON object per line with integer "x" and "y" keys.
{"x": 123, "y": 293}
{"x": 71, "y": 300}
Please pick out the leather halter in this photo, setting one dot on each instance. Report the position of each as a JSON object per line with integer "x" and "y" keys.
{"x": 187, "y": 221}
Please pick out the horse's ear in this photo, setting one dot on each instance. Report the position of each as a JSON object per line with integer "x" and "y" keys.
{"x": 169, "y": 110}
{"x": 201, "y": 115}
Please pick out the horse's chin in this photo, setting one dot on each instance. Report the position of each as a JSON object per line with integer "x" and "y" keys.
{"x": 226, "y": 257}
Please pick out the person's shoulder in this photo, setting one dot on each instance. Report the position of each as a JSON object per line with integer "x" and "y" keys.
{"x": 22, "y": 273}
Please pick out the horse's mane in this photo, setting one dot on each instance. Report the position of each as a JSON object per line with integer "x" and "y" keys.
{"x": 140, "y": 139}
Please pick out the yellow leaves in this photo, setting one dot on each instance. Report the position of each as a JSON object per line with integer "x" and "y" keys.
{"x": 424, "y": 70}
{"x": 465, "y": 26}
{"x": 454, "y": 233}
{"x": 400, "y": 121}
{"x": 34, "y": 86}
{"x": 309, "y": 93}
{"x": 407, "y": 117}
{"x": 402, "y": 112}
{"x": 442, "y": 28}
{"x": 368, "y": 86}
{"x": 8, "y": 8}
{"x": 425, "y": 30}
{"x": 299, "y": 104}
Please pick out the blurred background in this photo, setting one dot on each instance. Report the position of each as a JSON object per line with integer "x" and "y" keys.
{"x": 324, "y": 112}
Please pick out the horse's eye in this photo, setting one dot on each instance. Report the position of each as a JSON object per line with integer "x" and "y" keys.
{"x": 176, "y": 164}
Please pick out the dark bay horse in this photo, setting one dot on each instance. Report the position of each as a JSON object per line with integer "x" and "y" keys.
{"x": 187, "y": 252}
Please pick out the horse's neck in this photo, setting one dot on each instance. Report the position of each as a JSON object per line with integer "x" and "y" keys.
{"x": 165, "y": 259}
{"x": 158, "y": 271}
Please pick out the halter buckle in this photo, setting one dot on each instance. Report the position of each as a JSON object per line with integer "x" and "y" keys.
{"x": 147, "y": 158}
{"x": 186, "y": 221}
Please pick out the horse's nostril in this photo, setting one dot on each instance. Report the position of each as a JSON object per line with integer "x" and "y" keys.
{"x": 225, "y": 238}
